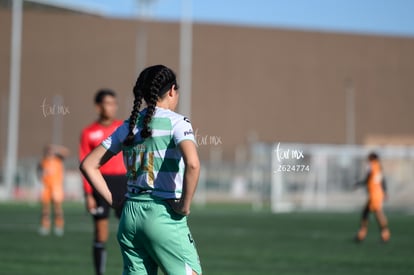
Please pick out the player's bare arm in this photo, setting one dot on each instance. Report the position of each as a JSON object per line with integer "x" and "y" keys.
{"x": 90, "y": 169}
{"x": 191, "y": 175}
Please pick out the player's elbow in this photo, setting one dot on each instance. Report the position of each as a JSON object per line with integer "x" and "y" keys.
{"x": 193, "y": 165}
{"x": 85, "y": 166}
{"x": 82, "y": 167}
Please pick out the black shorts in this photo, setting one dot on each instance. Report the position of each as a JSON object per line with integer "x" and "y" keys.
{"x": 117, "y": 184}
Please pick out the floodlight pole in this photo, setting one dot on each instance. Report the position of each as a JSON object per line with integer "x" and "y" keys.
{"x": 186, "y": 46}
{"x": 14, "y": 98}
{"x": 144, "y": 14}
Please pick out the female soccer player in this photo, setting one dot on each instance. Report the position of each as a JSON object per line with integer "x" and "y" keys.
{"x": 113, "y": 172}
{"x": 162, "y": 169}
{"x": 52, "y": 169}
{"x": 376, "y": 187}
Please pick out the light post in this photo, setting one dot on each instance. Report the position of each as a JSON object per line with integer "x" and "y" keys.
{"x": 14, "y": 98}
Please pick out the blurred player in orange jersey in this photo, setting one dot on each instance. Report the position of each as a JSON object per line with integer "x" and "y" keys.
{"x": 376, "y": 187}
{"x": 52, "y": 170}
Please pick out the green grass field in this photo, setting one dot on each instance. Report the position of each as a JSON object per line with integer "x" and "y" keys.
{"x": 230, "y": 240}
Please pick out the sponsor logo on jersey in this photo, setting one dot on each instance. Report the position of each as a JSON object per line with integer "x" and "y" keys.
{"x": 190, "y": 238}
{"x": 189, "y": 132}
{"x": 186, "y": 119}
{"x": 96, "y": 135}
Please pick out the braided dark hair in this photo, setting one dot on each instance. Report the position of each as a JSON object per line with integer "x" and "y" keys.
{"x": 152, "y": 84}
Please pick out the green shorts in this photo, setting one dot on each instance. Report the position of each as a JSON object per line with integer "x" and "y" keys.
{"x": 152, "y": 235}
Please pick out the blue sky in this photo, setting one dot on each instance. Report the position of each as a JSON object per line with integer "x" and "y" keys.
{"x": 384, "y": 17}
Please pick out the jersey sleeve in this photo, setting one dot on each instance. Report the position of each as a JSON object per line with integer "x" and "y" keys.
{"x": 114, "y": 142}
{"x": 183, "y": 130}
{"x": 84, "y": 149}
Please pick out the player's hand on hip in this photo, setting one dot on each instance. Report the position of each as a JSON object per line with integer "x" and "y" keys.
{"x": 178, "y": 207}
{"x": 118, "y": 203}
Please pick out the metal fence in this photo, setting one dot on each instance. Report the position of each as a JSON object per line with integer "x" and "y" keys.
{"x": 282, "y": 177}
{"x": 323, "y": 177}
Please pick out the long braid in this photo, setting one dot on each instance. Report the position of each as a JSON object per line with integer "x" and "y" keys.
{"x": 133, "y": 118}
{"x": 146, "y": 131}
{"x": 151, "y": 99}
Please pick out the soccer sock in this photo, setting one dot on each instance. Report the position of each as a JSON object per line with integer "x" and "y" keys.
{"x": 58, "y": 213}
{"x": 362, "y": 233}
{"x": 45, "y": 221}
{"x": 99, "y": 256}
{"x": 363, "y": 229}
{"x": 385, "y": 233}
{"x": 59, "y": 221}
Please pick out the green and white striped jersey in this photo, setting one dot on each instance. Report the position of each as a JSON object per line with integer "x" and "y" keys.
{"x": 154, "y": 164}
